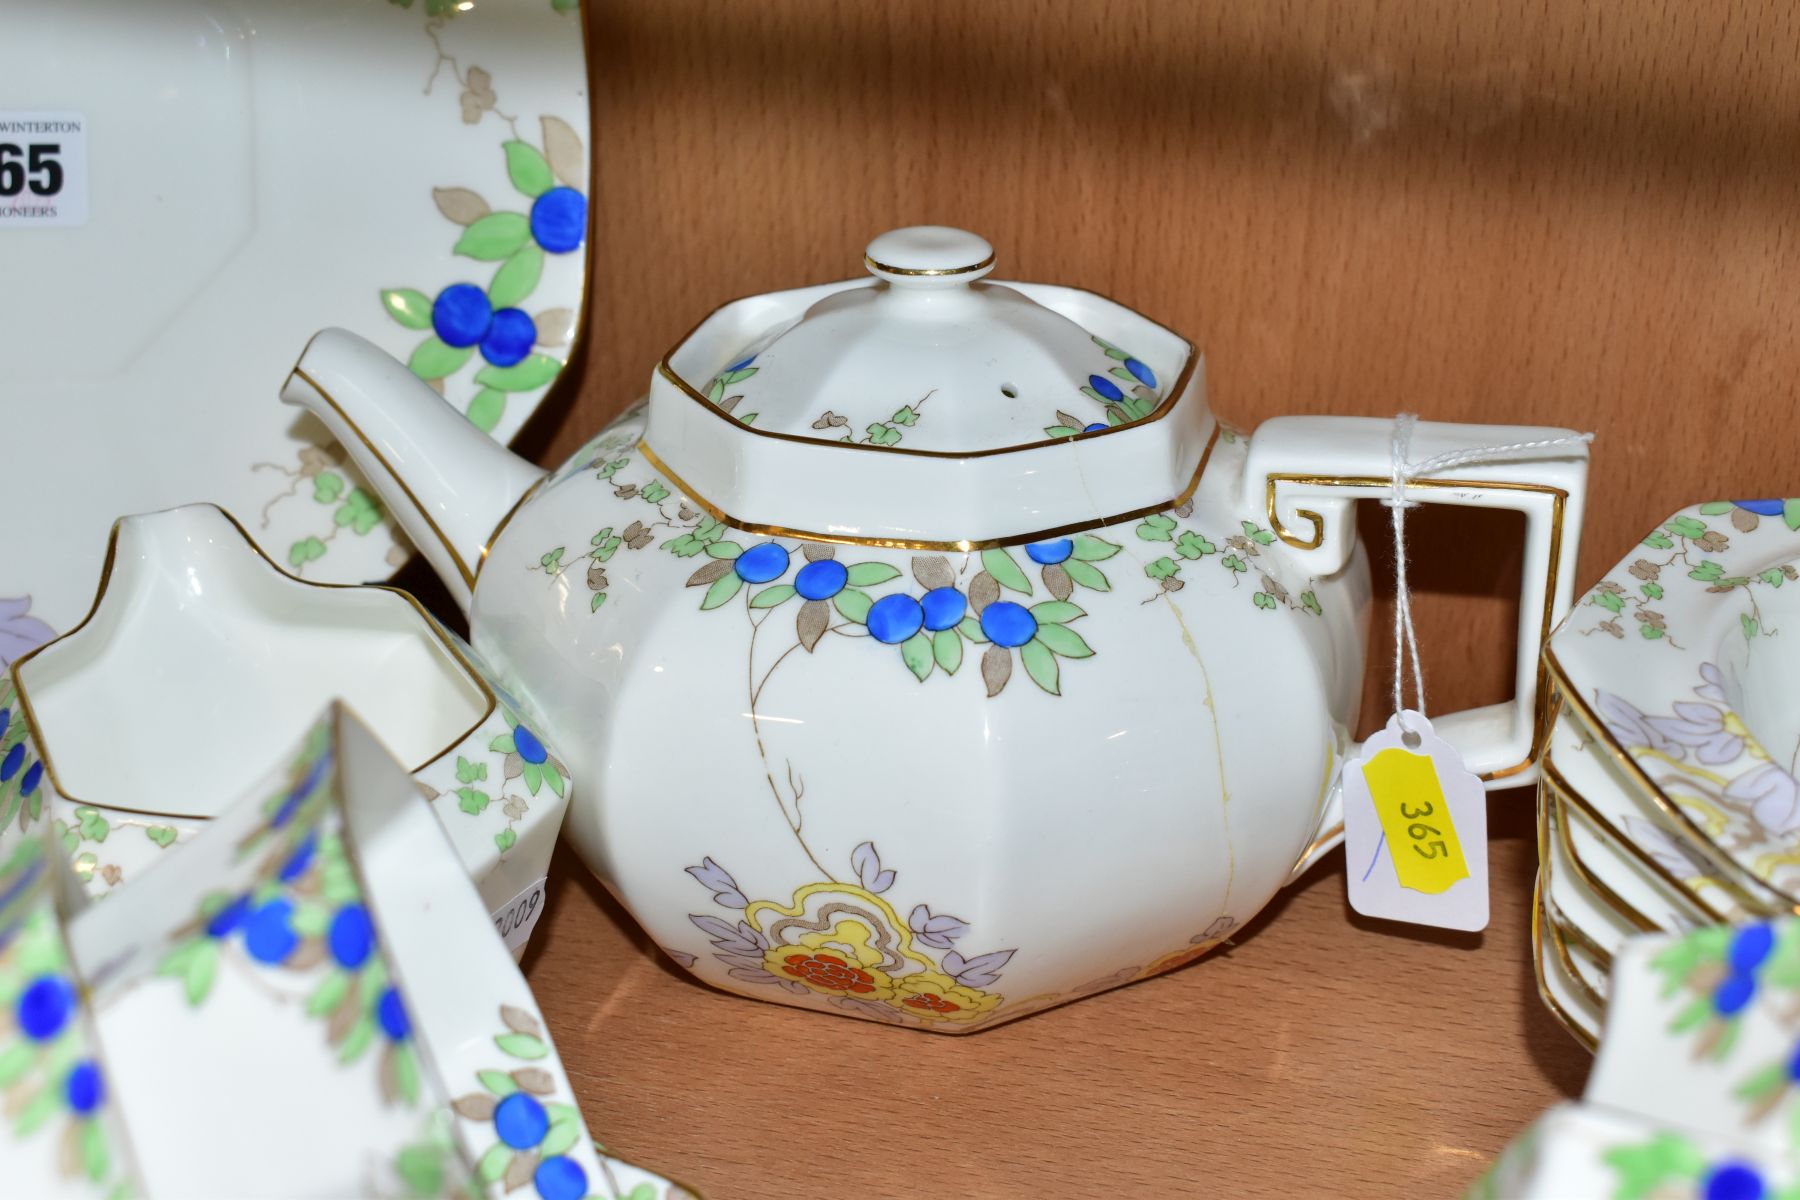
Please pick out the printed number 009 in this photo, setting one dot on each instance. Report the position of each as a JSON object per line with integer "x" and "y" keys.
{"x": 39, "y": 171}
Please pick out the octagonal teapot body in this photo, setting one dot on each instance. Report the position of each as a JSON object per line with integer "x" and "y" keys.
{"x": 924, "y": 649}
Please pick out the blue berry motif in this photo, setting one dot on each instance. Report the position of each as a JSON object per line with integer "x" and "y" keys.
{"x": 559, "y": 219}
{"x": 1105, "y": 387}
{"x": 1096, "y": 427}
{"x": 224, "y": 923}
{"x": 821, "y": 580}
{"x": 1141, "y": 373}
{"x": 893, "y": 619}
{"x": 944, "y": 608}
{"x": 85, "y": 1088}
{"x": 509, "y": 337}
{"x": 761, "y": 563}
{"x": 1733, "y": 1181}
{"x": 1750, "y": 946}
{"x": 1734, "y": 994}
{"x": 1763, "y": 508}
{"x": 527, "y": 744}
{"x": 15, "y": 758}
{"x": 461, "y": 314}
{"x": 351, "y": 936}
{"x": 1048, "y": 553}
{"x": 560, "y": 1177}
{"x": 520, "y": 1121}
{"x": 45, "y": 1007}
{"x": 1008, "y": 624}
{"x": 269, "y": 932}
{"x": 390, "y": 1012}
{"x": 29, "y": 781}
{"x": 299, "y": 860}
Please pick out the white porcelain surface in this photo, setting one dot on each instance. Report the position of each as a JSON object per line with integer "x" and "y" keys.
{"x": 1574, "y": 899}
{"x": 1568, "y": 1001}
{"x": 1589, "y": 1150}
{"x": 1701, "y": 1032}
{"x": 937, "y": 784}
{"x": 257, "y": 170}
{"x": 198, "y": 662}
{"x": 315, "y": 985}
{"x": 1675, "y": 663}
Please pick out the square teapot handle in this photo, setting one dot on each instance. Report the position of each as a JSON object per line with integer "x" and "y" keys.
{"x": 1308, "y": 471}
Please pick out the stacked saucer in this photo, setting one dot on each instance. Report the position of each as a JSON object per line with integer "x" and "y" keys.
{"x": 1668, "y": 799}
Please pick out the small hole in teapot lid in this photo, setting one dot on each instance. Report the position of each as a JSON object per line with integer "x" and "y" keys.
{"x": 1009, "y": 391}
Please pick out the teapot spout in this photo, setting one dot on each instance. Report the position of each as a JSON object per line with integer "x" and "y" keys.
{"x": 450, "y": 485}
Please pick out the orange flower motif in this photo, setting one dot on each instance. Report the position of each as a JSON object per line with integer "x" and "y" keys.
{"x": 937, "y": 997}
{"x": 828, "y": 973}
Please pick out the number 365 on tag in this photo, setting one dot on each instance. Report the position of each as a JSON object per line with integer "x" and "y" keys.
{"x": 1415, "y": 830}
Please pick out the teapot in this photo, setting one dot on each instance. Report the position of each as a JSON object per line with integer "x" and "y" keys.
{"x": 923, "y": 647}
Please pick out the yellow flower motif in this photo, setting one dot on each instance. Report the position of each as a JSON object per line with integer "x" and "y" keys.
{"x": 838, "y": 962}
{"x": 937, "y": 997}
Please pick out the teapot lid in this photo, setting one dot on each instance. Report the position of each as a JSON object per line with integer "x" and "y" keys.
{"x": 928, "y": 356}
{"x": 928, "y": 407}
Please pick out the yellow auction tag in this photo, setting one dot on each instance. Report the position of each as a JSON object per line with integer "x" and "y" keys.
{"x": 1415, "y": 829}
{"x": 1410, "y": 803}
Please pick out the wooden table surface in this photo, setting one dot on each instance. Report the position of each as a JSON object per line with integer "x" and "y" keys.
{"x": 1319, "y": 1054}
{"x": 1571, "y": 213}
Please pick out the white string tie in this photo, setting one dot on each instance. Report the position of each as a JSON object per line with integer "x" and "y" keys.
{"x": 1406, "y": 638}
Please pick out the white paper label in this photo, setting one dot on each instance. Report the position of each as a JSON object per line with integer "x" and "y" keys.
{"x": 43, "y": 169}
{"x": 515, "y": 919}
{"x": 1415, "y": 831}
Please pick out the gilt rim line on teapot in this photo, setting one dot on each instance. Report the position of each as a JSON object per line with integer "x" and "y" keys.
{"x": 959, "y": 546}
{"x": 106, "y": 570}
{"x": 1177, "y": 390}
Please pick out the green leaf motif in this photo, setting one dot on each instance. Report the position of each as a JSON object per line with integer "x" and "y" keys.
{"x": 598, "y": 600}
{"x": 471, "y": 801}
{"x": 162, "y": 835}
{"x": 916, "y": 653}
{"x": 1192, "y": 545}
{"x": 1257, "y": 533}
{"x": 522, "y": 1045}
{"x": 1652, "y": 590}
{"x": 1087, "y": 575}
{"x": 15, "y": 1060}
{"x": 722, "y": 590}
{"x": 1651, "y": 632}
{"x": 486, "y": 408}
{"x": 1659, "y": 541}
{"x": 529, "y": 373}
{"x": 1056, "y": 612}
{"x": 1790, "y": 513}
{"x": 304, "y": 551}
{"x": 360, "y": 511}
{"x": 202, "y": 965}
{"x": 1040, "y": 664}
{"x": 1064, "y": 641}
{"x": 421, "y": 1168}
{"x": 654, "y": 492}
{"x": 1644, "y": 1169}
{"x": 329, "y": 994}
{"x": 47, "y": 1101}
{"x": 1749, "y": 625}
{"x": 409, "y": 306}
{"x": 1716, "y": 508}
{"x": 505, "y": 840}
{"x": 1264, "y": 601}
{"x": 1687, "y": 527}
{"x": 1162, "y": 568}
{"x": 562, "y": 1135}
{"x": 853, "y": 605}
{"x": 1006, "y": 572}
{"x": 551, "y": 560}
{"x": 93, "y": 826}
{"x": 498, "y": 1082}
{"x": 517, "y": 277}
{"x": 1232, "y": 562}
{"x": 1610, "y": 601}
{"x": 327, "y": 487}
{"x": 1089, "y": 548}
{"x": 494, "y": 237}
{"x": 503, "y": 744}
{"x": 970, "y": 628}
{"x": 769, "y": 597}
{"x": 469, "y": 772}
{"x": 527, "y": 169}
{"x": 493, "y": 1164}
{"x": 905, "y": 416}
{"x": 1156, "y": 528}
{"x": 871, "y": 573}
{"x": 946, "y": 648}
{"x": 435, "y": 358}
{"x": 1311, "y": 604}
{"x": 1707, "y": 572}
{"x": 1773, "y": 577}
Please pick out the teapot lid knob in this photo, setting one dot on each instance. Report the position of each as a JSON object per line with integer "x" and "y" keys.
{"x": 929, "y": 256}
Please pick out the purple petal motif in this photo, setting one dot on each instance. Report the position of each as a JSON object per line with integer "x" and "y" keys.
{"x": 1630, "y": 726}
{"x": 1701, "y": 728}
{"x": 1714, "y": 687}
{"x": 868, "y": 868}
{"x": 719, "y": 882}
{"x": 20, "y": 632}
{"x": 939, "y": 930}
{"x": 1773, "y": 796}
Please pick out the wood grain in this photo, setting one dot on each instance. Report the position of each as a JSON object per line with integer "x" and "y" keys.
{"x": 1550, "y": 212}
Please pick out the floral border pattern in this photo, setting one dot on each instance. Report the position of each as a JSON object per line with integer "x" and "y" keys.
{"x": 532, "y": 1133}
